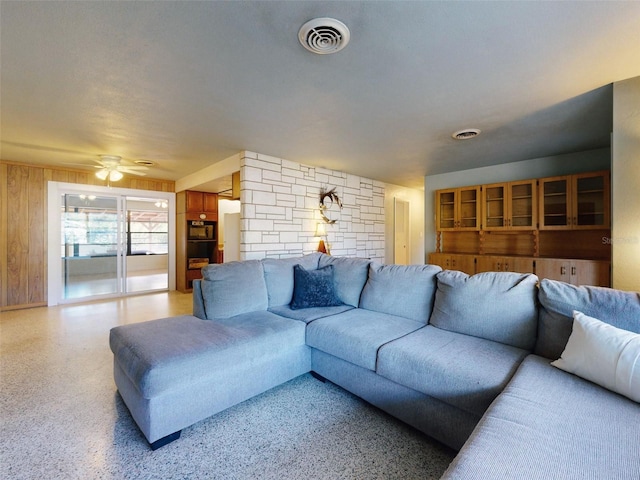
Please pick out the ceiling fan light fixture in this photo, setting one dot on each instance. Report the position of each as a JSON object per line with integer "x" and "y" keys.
{"x": 102, "y": 174}
{"x": 115, "y": 175}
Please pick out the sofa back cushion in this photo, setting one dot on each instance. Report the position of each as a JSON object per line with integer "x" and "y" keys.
{"x": 558, "y": 300}
{"x": 497, "y": 306}
{"x": 349, "y": 276}
{"x": 229, "y": 289}
{"x": 278, "y": 276}
{"x": 403, "y": 290}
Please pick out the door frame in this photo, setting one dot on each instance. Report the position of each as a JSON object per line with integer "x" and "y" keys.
{"x": 54, "y": 266}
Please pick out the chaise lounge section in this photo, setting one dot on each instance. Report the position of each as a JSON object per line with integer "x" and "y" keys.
{"x": 464, "y": 359}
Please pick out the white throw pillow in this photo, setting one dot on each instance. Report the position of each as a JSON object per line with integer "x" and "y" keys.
{"x": 603, "y": 354}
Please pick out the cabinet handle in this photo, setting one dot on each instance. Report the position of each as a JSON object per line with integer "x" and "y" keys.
{"x": 453, "y": 262}
{"x": 499, "y": 267}
{"x": 563, "y": 270}
{"x": 573, "y": 271}
{"x": 506, "y": 267}
{"x": 575, "y": 220}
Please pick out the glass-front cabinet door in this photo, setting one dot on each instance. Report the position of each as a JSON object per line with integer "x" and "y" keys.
{"x": 509, "y": 206}
{"x": 446, "y": 209}
{"x": 579, "y": 201}
{"x": 522, "y": 205}
{"x": 555, "y": 203}
{"x": 458, "y": 209}
{"x": 590, "y": 200}
{"x": 469, "y": 208}
{"x": 494, "y": 206}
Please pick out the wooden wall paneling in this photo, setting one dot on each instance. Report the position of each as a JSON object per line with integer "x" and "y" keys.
{"x": 60, "y": 175}
{"x": 36, "y": 282}
{"x": 18, "y": 235}
{"x": 509, "y": 243}
{"x": 3, "y": 234}
{"x": 581, "y": 244}
{"x": 460, "y": 242}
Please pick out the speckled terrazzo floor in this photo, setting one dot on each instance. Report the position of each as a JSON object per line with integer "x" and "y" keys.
{"x": 61, "y": 417}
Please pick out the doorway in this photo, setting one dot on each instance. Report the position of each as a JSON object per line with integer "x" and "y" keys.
{"x": 108, "y": 242}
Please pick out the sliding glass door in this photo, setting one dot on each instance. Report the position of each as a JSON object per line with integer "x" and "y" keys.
{"x": 90, "y": 245}
{"x": 108, "y": 242}
{"x": 147, "y": 244}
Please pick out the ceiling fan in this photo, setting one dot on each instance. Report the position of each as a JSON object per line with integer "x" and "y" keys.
{"x": 111, "y": 168}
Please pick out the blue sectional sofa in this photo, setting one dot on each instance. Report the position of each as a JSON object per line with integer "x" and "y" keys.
{"x": 465, "y": 359}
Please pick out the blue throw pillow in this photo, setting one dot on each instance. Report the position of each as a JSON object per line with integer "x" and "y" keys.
{"x": 313, "y": 288}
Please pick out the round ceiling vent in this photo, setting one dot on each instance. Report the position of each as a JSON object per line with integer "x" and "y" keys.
{"x": 324, "y": 35}
{"x": 466, "y": 133}
{"x": 144, "y": 163}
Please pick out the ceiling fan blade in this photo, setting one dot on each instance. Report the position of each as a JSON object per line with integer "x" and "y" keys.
{"x": 82, "y": 165}
{"x": 130, "y": 171}
{"x": 133, "y": 167}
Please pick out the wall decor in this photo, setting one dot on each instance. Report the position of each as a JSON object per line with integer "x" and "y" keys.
{"x": 328, "y": 198}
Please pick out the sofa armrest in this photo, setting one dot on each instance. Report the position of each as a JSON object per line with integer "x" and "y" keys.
{"x": 198, "y": 301}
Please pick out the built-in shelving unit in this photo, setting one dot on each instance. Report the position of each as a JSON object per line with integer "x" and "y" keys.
{"x": 553, "y": 227}
{"x": 196, "y": 235}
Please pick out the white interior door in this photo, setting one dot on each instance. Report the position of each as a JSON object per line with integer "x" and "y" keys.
{"x": 401, "y": 237}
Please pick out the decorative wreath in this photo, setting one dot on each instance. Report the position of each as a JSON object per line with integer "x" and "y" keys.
{"x": 327, "y": 199}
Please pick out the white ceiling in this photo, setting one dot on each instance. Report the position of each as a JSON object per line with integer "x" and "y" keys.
{"x": 187, "y": 84}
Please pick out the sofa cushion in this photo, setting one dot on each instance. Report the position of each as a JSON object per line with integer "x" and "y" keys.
{"x": 230, "y": 289}
{"x": 497, "y": 306}
{"x": 549, "y": 424}
{"x": 603, "y": 354}
{"x": 313, "y": 288}
{"x": 307, "y": 315}
{"x": 403, "y": 290}
{"x": 349, "y": 275}
{"x": 558, "y": 300}
{"x": 464, "y": 371}
{"x": 171, "y": 353}
{"x": 356, "y": 335}
{"x": 278, "y": 276}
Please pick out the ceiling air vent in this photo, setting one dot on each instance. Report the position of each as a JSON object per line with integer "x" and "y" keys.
{"x": 144, "y": 163}
{"x": 324, "y": 35}
{"x": 466, "y": 133}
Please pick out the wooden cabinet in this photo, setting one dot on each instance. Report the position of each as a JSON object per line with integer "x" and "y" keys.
{"x": 509, "y": 206}
{"x": 196, "y": 235}
{"x": 455, "y": 261}
{"x": 579, "y": 201}
{"x": 576, "y": 272}
{"x": 495, "y": 263}
{"x": 458, "y": 209}
{"x": 201, "y": 203}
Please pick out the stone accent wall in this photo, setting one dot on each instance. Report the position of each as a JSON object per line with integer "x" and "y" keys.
{"x": 279, "y": 209}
